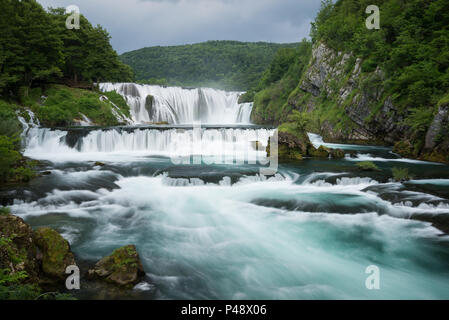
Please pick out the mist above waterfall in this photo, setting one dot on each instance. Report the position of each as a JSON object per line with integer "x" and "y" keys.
{"x": 175, "y": 105}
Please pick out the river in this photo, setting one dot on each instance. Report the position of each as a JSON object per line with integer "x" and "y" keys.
{"x": 207, "y": 225}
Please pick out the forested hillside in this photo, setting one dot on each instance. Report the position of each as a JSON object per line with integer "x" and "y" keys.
{"x": 36, "y": 47}
{"x": 386, "y": 86}
{"x": 227, "y": 65}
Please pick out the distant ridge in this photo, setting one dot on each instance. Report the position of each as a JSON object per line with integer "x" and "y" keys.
{"x": 229, "y": 65}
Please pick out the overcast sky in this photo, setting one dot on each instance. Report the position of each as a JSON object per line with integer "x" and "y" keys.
{"x": 134, "y": 24}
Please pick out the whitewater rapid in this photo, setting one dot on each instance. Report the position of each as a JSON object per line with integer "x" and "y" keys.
{"x": 175, "y": 105}
{"x": 255, "y": 238}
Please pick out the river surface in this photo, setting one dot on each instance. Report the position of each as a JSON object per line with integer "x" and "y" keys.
{"x": 212, "y": 227}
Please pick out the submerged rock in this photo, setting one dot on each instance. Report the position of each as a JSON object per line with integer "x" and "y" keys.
{"x": 123, "y": 267}
{"x": 55, "y": 251}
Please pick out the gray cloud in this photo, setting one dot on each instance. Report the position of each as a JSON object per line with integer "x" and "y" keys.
{"x": 134, "y": 24}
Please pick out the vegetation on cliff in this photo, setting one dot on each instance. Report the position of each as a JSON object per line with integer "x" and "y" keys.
{"x": 271, "y": 93}
{"x": 229, "y": 65}
{"x": 380, "y": 85}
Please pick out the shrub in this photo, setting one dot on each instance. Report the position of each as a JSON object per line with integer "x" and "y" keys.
{"x": 4, "y": 211}
{"x": 54, "y": 116}
{"x": 23, "y": 174}
{"x": 401, "y": 174}
{"x": 8, "y": 157}
{"x": 369, "y": 65}
{"x": 367, "y": 166}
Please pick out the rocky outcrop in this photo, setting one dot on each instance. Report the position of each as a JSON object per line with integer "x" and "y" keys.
{"x": 130, "y": 89}
{"x": 122, "y": 267}
{"x": 296, "y": 146}
{"x": 149, "y": 101}
{"x": 354, "y": 107}
{"x": 338, "y": 76}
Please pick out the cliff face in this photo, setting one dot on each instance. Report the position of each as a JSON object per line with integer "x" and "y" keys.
{"x": 350, "y": 105}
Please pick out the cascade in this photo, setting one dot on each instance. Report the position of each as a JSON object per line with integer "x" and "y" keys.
{"x": 175, "y": 105}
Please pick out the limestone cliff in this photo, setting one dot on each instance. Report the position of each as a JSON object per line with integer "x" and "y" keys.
{"x": 349, "y": 104}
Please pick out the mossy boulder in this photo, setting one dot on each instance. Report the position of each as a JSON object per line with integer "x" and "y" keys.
{"x": 123, "y": 267}
{"x": 55, "y": 251}
{"x": 321, "y": 152}
{"x": 337, "y": 153}
{"x": 17, "y": 249}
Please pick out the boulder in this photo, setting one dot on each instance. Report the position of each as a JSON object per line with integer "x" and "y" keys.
{"x": 55, "y": 253}
{"x": 123, "y": 267}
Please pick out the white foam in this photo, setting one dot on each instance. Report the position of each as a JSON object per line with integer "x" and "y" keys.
{"x": 369, "y": 157}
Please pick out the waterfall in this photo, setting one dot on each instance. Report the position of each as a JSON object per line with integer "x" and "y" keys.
{"x": 175, "y": 105}
{"x": 44, "y": 143}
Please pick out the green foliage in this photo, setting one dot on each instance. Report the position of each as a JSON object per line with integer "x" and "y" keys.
{"x": 367, "y": 166}
{"x": 37, "y": 48}
{"x": 271, "y": 101}
{"x": 4, "y": 211}
{"x": 9, "y": 125}
{"x": 412, "y": 44}
{"x": 23, "y": 174}
{"x": 30, "y": 49}
{"x": 411, "y": 50}
{"x": 419, "y": 120}
{"x": 247, "y": 96}
{"x": 12, "y": 286}
{"x": 64, "y": 104}
{"x": 8, "y": 157}
{"x": 299, "y": 120}
{"x": 229, "y": 65}
{"x": 401, "y": 174}
{"x": 118, "y": 100}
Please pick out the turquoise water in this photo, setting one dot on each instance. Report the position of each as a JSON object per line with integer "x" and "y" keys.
{"x": 225, "y": 232}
